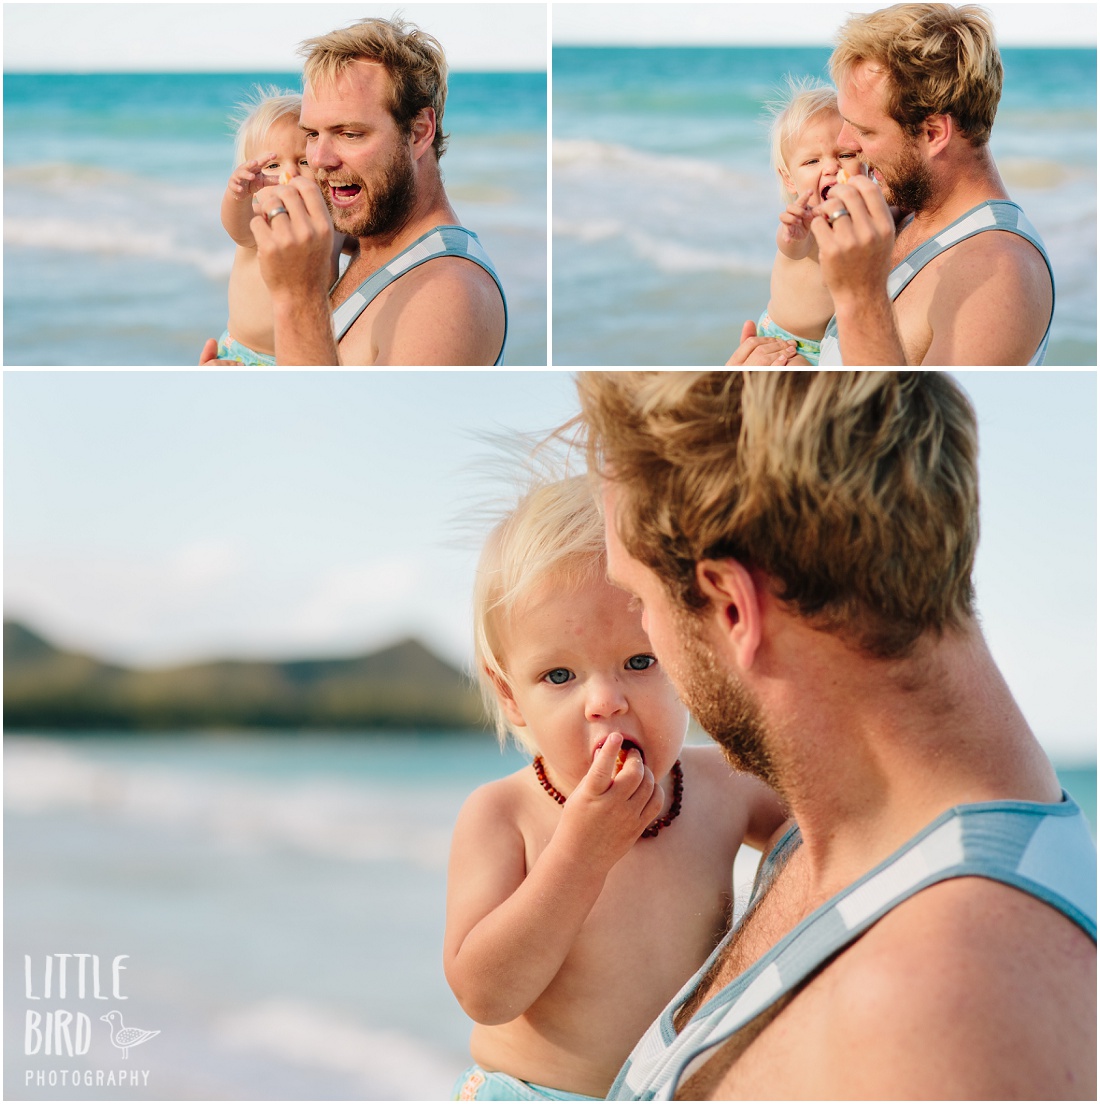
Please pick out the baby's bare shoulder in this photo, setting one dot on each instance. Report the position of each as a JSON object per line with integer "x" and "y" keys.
{"x": 511, "y": 802}
{"x": 490, "y": 827}
{"x": 714, "y": 787}
{"x": 502, "y": 796}
{"x": 750, "y": 810}
{"x": 713, "y": 768}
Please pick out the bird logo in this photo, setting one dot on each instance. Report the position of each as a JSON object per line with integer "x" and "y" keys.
{"x": 125, "y": 1037}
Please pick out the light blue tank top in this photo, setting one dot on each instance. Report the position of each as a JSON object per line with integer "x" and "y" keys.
{"x": 442, "y": 241}
{"x": 993, "y": 214}
{"x": 1044, "y": 850}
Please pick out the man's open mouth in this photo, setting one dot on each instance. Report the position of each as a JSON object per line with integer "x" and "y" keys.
{"x": 343, "y": 194}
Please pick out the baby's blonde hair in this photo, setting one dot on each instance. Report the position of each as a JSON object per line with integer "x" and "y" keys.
{"x": 554, "y": 532}
{"x": 804, "y": 99}
{"x": 254, "y": 117}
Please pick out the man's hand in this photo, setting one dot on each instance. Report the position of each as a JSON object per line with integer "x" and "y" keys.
{"x": 762, "y": 350}
{"x": 854, "y": 248}
{"x": 295, "y": 242}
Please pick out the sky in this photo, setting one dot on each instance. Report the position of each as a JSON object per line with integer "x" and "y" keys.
{"x": 250, "y": 37}
{"x": 159, "y": 517}
{"x": 488, "y": 36}
{"x": 779, "y": 24}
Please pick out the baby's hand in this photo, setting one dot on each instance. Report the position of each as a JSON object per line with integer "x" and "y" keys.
{"x": 248, "y": 179}
{"x": 613, "y": 805}
{"x": 794, "y": 228}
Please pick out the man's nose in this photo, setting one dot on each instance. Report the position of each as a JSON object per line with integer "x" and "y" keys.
{"x": 321, "y": 153}
{"x": 847, "y": 138}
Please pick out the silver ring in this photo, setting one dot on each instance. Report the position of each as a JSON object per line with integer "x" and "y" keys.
{"x": 283, "y": 211}
{"x": 838, "y": 214}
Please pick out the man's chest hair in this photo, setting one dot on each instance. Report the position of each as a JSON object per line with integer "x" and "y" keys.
{"x": 773, "y": 916}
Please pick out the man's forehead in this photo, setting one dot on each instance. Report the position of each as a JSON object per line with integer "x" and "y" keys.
{"x": 361, "y": 84}
{"x": 608, "y": 503}
{"x": 616, "y": 552}
{"x": 863, "y": 83}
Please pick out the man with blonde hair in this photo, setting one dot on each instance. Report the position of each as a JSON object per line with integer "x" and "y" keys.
{"x": 964, "y": 277}
{"x": 801, "y": 545}
{"x": 421, "y": 289}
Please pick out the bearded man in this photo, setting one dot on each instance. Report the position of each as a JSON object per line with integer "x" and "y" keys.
{"x": 964, "y": 279}
{"x": 801, "y": 545}
{"x": 421, "y": 290}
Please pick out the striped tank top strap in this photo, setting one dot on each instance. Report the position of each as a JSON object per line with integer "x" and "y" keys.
{"x": 1044, "y": 850}
{"x": 442, "y": 241}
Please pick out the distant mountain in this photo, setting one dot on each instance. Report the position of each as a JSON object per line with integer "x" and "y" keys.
{"x": 404, "y": 686}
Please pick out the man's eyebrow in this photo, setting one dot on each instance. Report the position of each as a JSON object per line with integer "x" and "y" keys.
{"x": 334, "y": 126}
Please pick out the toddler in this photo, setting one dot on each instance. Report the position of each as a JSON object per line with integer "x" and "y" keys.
{"x": 585, "y": 889}
{"x": 270, "y": 149}
{"x": 809, "y": 162}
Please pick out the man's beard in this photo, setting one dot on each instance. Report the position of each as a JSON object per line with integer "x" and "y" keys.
{"x": 908, "y": 182}
{"x": 389, "y": 199}
{"x": 723, "y": 706}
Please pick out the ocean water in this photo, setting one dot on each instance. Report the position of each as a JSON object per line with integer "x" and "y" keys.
{"x": 280, "y": 900}
{"x": 665, "y": 208}
{"x": 114, "y": 253}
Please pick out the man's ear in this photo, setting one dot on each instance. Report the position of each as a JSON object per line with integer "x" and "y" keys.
{"x": 937, "y": 132}
{"x": 505, "y": 699}
{"x": 422, "y": 133}
{"x": 735, "y": 602}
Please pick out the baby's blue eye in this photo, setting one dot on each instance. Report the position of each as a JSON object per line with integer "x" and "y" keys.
{"x": 640, "y": 662}
{"x": 558, "y": 676}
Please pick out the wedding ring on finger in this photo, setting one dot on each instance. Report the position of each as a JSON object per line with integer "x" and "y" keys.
{"x": 283, "y": 211}
{"x": 838, "y": 214}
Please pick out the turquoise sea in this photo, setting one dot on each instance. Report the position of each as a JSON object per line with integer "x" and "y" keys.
{"x": 665, "y": 208}
{"x": 279, "y": 900}
{"x": 114, "y": 253}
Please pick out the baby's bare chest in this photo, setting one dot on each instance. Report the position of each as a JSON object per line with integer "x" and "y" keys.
{"x": 664, "y": 916}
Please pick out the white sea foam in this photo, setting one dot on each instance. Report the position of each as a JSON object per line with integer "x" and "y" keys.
{"x": 356, "y": 823}
{"x": 389, "y": 1064}
{"x": 600, "y": 158}
{"x": 118, "y": 239}
{"x": 683, "y": 258}
{"x": 678, "y": 215}
{"x": 70, "y": 208}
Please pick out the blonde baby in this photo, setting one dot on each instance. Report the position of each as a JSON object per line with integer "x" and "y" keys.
{"x": 809, "y": 162}
{"x": 270, "y": 149}
{"x": 587, "y": 887}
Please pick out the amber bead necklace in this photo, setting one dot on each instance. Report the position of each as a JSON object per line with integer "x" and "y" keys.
{"x": 656, "y": 826}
